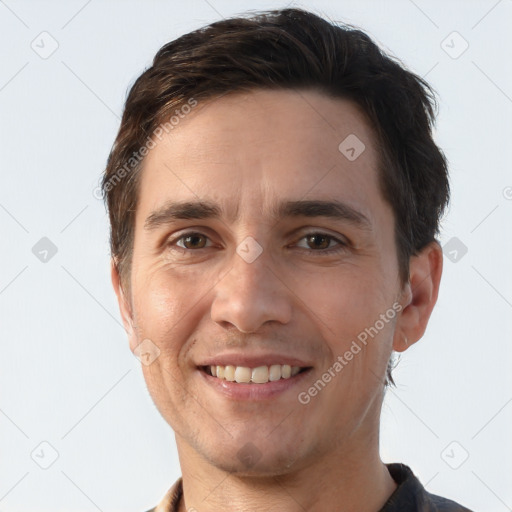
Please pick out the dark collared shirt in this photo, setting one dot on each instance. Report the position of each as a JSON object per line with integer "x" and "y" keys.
{"x": 409, "y": 496}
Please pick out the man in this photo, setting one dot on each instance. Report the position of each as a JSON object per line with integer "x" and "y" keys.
{"x": 274, "y": 195}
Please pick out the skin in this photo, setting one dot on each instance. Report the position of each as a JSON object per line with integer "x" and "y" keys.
{"x": 246, "y": 151}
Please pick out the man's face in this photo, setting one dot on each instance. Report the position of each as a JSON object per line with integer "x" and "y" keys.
{"x": 251, "y": 288}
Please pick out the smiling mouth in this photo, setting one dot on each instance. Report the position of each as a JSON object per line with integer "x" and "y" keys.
{"x": 258, "y": 375}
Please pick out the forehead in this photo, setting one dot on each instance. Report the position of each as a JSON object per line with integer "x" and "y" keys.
{"x": 248, "y": 151}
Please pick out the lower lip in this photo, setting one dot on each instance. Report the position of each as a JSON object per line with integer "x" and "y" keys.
{"x": 252, "y": 391}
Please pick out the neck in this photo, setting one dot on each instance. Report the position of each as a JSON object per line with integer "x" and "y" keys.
{"x": 347, "y": 479}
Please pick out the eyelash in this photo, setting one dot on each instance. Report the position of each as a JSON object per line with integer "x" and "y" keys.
{"x": 342, "y": 246}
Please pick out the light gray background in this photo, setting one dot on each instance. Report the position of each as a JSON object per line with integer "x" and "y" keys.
{"x": 67, "y": 376}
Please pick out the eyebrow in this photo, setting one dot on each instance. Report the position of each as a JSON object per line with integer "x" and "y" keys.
{"x": 186, "y": 210}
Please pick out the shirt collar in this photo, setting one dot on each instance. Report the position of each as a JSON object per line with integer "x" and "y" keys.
{"x": 170, "y": 502}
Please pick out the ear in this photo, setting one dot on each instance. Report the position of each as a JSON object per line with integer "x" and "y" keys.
{"x": 124, "y": 304}
{"x": 419, "y": 296}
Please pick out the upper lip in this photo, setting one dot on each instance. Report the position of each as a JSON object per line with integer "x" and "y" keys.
{"x": 253, "y": 361}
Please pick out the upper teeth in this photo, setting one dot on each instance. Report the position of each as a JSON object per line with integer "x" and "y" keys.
{"x": 259, "y": 375}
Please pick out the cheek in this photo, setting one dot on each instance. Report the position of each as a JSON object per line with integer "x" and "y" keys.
{"x": 163, "y": 296}
{"x": 168, "y": 307}
{"x": 344, "y": 300}
{"x": 347, "y": 307}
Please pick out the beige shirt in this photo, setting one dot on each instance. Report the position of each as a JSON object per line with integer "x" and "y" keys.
{"x": 171, "y": 501}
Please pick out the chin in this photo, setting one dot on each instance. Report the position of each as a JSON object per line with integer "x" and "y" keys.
{"x": 253, "y": 459}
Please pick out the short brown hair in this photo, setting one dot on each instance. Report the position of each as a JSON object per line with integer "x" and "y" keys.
{"x": 288, "y": 49}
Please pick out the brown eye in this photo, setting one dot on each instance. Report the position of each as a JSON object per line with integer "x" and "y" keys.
{"x": 193, "y": 241}
{"x": 322, "y": 244}
{"x": 318, "y": 241}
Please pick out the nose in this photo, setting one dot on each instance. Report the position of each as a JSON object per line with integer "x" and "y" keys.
{"x": 250, "y": 295}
